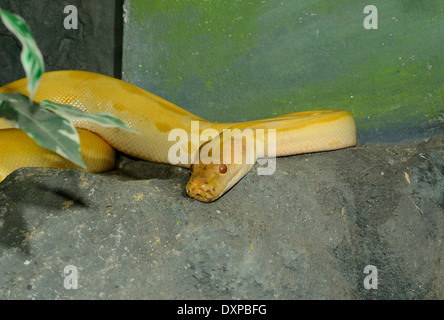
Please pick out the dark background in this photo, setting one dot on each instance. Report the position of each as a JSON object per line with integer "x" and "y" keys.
{"x": 95, "y": 46}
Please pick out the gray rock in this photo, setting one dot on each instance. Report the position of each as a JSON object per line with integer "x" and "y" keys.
{"x": 305, "y": 232}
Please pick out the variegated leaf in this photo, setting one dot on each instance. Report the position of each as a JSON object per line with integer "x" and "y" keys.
{"x": 31, "y": 57}
{"x": 47, "y": 128}
{"x": 72, "y": 113}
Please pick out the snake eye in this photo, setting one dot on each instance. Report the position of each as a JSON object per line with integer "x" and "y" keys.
{"x": 223, "y": 168}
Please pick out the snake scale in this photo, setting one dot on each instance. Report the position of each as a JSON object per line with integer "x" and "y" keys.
{"x": 154, "y": 118}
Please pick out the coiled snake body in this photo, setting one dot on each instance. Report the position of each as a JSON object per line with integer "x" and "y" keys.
{"x": 154, "y": 118}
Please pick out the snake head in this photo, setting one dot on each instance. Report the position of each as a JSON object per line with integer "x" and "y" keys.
{"x": 208, "y": 182}
{"x": 216, "y": 173}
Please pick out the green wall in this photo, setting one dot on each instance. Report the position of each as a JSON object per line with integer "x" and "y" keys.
{"x": 234, "y": 60}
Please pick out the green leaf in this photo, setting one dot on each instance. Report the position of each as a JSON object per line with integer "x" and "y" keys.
{"x": 72, "y": 113}
{"x": 31, "y": 57}
{"x": 47, "y": 128}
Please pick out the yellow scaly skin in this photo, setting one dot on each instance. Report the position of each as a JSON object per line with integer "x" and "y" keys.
{"x": 154, "y": 117}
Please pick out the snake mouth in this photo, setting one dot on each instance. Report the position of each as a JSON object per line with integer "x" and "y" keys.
{"x": 203, "y": 193}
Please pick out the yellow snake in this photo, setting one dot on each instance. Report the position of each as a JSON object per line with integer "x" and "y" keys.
{"x": 154, "y": 118}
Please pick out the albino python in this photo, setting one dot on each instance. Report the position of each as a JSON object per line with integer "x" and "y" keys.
{"x": 154, "y": 118}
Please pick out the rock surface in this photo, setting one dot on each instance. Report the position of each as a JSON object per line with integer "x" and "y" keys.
{"x": 305, "y": 232}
